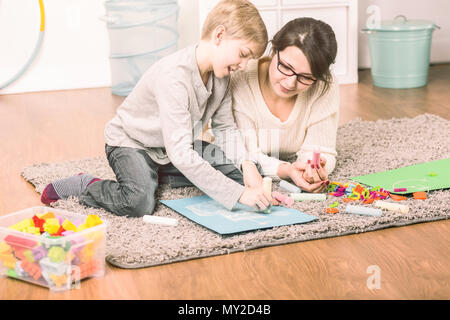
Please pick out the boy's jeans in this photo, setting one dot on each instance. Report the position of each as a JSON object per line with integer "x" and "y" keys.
{"x": 138, "y": 176}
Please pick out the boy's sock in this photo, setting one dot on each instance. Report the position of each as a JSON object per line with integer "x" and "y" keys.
{"x": 64, "y": 188}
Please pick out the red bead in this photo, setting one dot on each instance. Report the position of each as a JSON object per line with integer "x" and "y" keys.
{"x": 38, "y": 223}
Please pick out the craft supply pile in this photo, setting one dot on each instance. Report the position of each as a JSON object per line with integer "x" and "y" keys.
{"x": 353, "y": 192}
{"x": 52, "y": 248}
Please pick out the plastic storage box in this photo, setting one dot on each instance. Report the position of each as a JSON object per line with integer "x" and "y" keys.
{"x": 56, "y": 263}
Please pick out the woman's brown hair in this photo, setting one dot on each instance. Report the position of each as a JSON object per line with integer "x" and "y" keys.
{"x": 317, "y": 41}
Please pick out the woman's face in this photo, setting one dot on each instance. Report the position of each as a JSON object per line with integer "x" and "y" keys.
{"x": 286, "y": 67}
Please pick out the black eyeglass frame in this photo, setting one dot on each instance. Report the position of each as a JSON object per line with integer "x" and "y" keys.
{"x": 298, "y": 75}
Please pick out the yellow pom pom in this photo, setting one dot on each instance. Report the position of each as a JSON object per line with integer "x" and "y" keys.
{"x": 32, "y": 230}
{"x": 93, "y": 220}
{"x": 4, "y": 248}
{"x": 69, "y": 226}
{"x": 51, "y": 225}
{"x": 81, "y": 227}
{"x": 22, "y": 225}
{"x": 47, "y": 215}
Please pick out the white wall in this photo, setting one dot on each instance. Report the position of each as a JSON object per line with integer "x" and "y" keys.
{"x": 188, "y": 26}
{"x": 75, "y": 50}
{"x": 437, "y": 11}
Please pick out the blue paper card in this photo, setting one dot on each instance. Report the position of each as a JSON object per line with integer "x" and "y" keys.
{"x": 212, "y": 215}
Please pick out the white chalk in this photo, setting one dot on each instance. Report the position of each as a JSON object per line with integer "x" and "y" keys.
{"x": 363, "y": 210}
{"x": 160, "y": 220}
{"x": 391, "y": 206}
{"x": 267, "y": 185}
{"x": 308, "y": 196}
{"x": 289, "y": 187}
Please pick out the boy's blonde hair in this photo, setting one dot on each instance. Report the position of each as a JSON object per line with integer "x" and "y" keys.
{"x": 241, "y": 20}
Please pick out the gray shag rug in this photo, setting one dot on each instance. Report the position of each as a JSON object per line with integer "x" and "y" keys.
{"x": 363, "y": 147}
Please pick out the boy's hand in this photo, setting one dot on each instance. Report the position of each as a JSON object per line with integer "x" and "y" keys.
{"x": 255, "y": 197}
{"x": 252, "y": 177}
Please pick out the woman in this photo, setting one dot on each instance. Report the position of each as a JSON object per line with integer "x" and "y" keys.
{"x": 287, "y": 104}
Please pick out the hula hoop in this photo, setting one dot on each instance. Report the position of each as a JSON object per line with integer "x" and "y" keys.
{"x": 35, "y": 51}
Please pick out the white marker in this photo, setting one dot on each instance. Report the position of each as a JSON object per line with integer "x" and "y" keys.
{"x": 160, "y": 220}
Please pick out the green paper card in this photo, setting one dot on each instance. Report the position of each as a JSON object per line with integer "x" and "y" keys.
{"x": 419, "y": 177}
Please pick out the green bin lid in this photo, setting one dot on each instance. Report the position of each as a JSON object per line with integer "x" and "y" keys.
{"x": 401, "y": 23}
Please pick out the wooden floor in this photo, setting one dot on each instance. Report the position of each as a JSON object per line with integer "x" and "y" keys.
{"x": 414, "y": 261}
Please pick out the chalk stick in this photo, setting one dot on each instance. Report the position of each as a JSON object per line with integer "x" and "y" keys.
{"x": 267, "y": 185}
{"x": 363, "y": 210}
{"x": 308, "y": 196}
{"x": 268, "y": 209}
{"x": 391, "y": 206}
{"x": 400, "y": 189}
{"x": 316, "y": 157}
{"x": 160, "y": 220}
{"x": 289, "y": 187}
{"x": 283, "y": 198}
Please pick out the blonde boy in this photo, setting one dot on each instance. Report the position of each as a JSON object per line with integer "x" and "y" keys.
{"x": 152, "y": 137}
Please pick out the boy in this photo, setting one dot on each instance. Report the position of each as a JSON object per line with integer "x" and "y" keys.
{"x": 151, "y": 138}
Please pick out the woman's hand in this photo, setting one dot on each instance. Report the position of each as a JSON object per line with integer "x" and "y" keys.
{"x": 295, "y": 172}
{"x": 308, "y": 178}
{"x": 297, "y": 176}
{"x": 314, "y": 173}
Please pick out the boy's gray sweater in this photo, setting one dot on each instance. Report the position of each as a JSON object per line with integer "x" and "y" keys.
{"x": 167, "y": 111}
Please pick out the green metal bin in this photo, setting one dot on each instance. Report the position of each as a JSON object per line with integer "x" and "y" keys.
{"x": 400, "y": 52}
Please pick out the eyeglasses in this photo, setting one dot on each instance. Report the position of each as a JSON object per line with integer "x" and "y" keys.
{"x": 284, "y": 69}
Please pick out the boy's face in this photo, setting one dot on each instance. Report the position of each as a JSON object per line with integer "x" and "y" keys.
{"x": 232, "y": 55}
